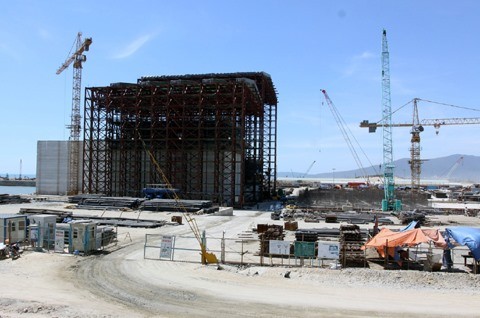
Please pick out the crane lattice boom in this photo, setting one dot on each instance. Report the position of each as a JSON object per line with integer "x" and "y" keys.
{"x": 435, "y": 122}
{"x": 77, "y": 58}
{"x": 389, "y": 203}
{"x": 340, "y": 123}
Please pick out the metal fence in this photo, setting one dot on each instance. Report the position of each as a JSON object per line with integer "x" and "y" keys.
{"x": 241, "y": 251}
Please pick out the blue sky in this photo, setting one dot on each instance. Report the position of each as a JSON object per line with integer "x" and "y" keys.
{"x": 304, "y": 45}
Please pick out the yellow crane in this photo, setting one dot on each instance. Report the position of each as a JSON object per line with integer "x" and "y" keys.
{"x": 207, "y": 257}
{"x": 77, "y": 58}
{"x": 416, "y": 128}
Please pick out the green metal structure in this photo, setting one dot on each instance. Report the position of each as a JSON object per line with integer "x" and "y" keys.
{"x": 389, "y": 203}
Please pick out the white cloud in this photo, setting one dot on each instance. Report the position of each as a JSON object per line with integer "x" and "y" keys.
{"x": 356, "y": 63}
{"x": 133, "y": 47}
{"x": 364, "y": 56}
{"x": 44, "y": 34}
{"x": 9, "y": 51}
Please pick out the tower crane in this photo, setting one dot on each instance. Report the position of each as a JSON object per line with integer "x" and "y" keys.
{"x": 416, "y": 128}
{"x": 77, "y": 58}
{"x": 389, "y": 203}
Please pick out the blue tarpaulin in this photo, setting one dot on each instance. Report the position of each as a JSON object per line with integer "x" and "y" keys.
{"x": 410, "y": 226}
{"x": 468, "y": 236}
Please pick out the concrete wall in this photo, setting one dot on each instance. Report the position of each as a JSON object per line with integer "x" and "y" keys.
{"x": 53, "y": 167}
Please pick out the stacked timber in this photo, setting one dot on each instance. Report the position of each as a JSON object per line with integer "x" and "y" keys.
{"x": 12, "y": 199}
{"x": 60, "y": 215}
{"x": 351, "y": 242}
{"x": 308, "y": 235}
{"x": 269, "y": 232}
{"x": 408, "y": 216}
{"x": 63, "y": 217}
{"x": 352, "y": 218}
{"x": 79, "y": 197}
{"x": 291, "y": 225}
{"x": 331, "y": 218}
{"x": 109, "y": 203}
{"x": 311, "y": 235}
{"x": 179, "y": 205}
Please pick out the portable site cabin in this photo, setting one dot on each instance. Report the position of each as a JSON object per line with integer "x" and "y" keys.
{"x": 42, "y": 230}
{"x": 13, "y": 228}
{"x": 82, "y": 236}
{"x": 85, "y": 236}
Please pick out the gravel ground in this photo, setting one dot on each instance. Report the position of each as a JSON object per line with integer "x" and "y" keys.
{"x": 122, "y": 283}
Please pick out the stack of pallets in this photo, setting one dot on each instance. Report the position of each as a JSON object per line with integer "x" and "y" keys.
{"x": 351, "y": 242}
{"x": 267, "y": 233}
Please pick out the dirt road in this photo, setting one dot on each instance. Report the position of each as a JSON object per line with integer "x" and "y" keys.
{"x": 123, "y": 284}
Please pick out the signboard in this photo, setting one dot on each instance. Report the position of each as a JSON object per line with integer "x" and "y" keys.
{"x": 304, "y": 249}
{"x": 59, "y": 241}
{"x": 279, "y": 247}
{"x": 34, "y": 236}
{"x": 166, "y": 246}
{"x": 328, "y": 250}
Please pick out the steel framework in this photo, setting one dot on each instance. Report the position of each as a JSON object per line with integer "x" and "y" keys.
{"x": 213, "y": 135}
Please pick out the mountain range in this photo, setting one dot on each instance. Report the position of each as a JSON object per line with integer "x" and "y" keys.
{"x": 455, "y": 168}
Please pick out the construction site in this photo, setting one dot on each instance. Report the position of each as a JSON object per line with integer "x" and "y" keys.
{"x": 165, "y": 202}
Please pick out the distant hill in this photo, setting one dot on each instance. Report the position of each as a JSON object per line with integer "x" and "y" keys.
{"x": 460, "y": 170}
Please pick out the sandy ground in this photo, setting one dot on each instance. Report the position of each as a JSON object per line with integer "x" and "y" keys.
{"x": 121, "y": 283}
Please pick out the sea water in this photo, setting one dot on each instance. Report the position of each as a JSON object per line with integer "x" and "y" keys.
{"x": 17, "y": 190}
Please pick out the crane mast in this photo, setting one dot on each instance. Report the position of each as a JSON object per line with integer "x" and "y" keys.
{"x": 417, "y": 126}
{"x": 77, "y": 58}
{"x": 388, "y": 203}
{"x": 415, "y": 161}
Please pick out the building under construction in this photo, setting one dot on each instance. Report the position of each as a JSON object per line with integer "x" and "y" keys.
{"x": 212, "y": 135}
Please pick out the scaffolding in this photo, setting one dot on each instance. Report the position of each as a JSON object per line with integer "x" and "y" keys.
{"x": 214, "y": 136}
